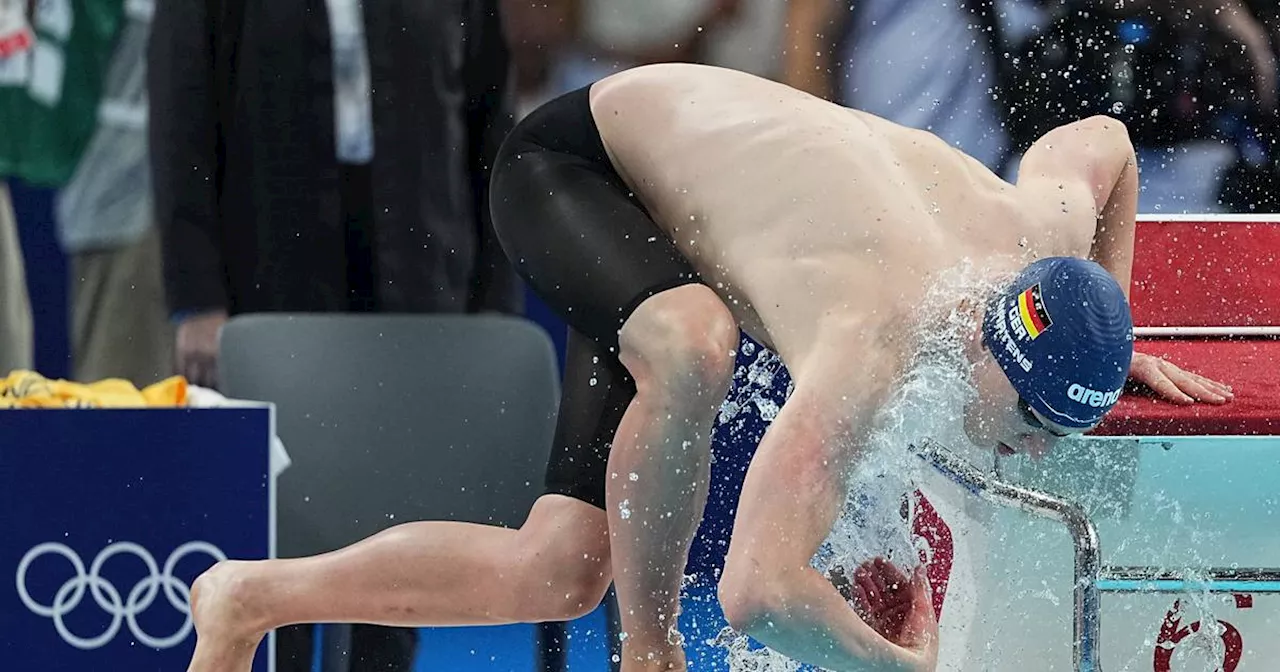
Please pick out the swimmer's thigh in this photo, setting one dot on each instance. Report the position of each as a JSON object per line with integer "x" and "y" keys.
{"x": 572, "y": 227}
{"x": 578, "y": 236}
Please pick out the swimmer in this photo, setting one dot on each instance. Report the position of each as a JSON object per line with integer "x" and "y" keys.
{"x": 660, "y": 211}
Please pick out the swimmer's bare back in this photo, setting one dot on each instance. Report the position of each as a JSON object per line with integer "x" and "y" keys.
{"x": 805, "y": 215}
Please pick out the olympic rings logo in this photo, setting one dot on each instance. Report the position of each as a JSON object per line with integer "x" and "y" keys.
{"x": 108, "y": 597}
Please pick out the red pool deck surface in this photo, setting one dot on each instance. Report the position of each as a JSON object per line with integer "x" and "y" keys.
{"x": 1207, "y": 272}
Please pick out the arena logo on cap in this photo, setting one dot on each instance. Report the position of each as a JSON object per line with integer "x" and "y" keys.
{"x": 1033, "y": 317}
{"x": 1093, "y": 398}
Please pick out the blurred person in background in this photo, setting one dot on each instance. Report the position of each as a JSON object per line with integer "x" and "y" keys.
{"x": 919, "y": 63}
{"x": 561, "y": 45}
{"x": 750, "y": 39}
{"x": 326, "y": 157}
{"x": 1194, "y": 80}
{"x": 49, "y": 98}
{"x": 615, "y": 35}
{"x": 1252, "y": 184}
{"x": 539, "y": 33}
{"x": 119, "y": 324}
{"x": 16, "y": 351}
{"x": 15, "y": 307}
{"x": 356, "y": 186}
{"x": 930, "y": 65}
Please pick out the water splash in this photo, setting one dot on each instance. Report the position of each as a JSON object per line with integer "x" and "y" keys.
{"x": 928, "y": 401}
{"x": 751, "y": 386}
{"x": 1198, "y": 643}
{"x": 743, "y": 656}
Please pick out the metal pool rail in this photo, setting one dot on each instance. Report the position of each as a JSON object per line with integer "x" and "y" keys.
{"x": 1091, "y": 577}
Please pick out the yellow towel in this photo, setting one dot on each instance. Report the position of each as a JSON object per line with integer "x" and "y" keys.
{"x": 25, "y": 389}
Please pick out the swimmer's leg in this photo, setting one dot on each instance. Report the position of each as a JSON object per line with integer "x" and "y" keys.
{"x": 555, "y": 567}
{"x": 678, "y": 346}
{"x": 576, "y": 232}
{"x": 794, "y": 490}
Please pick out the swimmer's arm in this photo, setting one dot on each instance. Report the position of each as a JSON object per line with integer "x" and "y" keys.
{"x": 1091, "y": 163}
{"x": 1117, "y": 217}
{"x": 794, "y": 492}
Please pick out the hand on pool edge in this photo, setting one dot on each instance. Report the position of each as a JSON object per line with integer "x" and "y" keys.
{"x": 1175, "y": 385}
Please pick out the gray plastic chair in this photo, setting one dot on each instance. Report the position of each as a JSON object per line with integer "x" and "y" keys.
{"x": 395, "y": 418}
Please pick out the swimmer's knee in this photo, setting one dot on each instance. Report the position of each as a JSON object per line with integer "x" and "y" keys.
{"x": 581, "y": 593}
{"x": 563, "y": 578}
{"x": 561, "y": 559}
{"x": 682, "y": 334}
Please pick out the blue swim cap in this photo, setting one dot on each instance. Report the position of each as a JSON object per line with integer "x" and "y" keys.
{"x": 1063, "y": 334}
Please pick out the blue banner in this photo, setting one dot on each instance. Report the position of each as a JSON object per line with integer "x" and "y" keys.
{"x": 108, "y": 517}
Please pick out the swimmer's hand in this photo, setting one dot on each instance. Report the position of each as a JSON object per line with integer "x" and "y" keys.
{"x": 1174, "y": 384}
{"x": 899, "y": 608}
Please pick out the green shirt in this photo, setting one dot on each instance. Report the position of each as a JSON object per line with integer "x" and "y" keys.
{"x": 49, "y": 95}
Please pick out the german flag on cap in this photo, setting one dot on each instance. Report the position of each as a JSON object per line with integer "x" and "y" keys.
{"x": 1031, "y": 308}
{"x": 1094, "y": 352}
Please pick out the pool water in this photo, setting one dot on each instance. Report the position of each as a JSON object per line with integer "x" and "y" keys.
{"x": 1175, "y": 503}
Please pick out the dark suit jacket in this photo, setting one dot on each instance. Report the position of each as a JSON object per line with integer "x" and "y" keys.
{"x": 246, "y": 177}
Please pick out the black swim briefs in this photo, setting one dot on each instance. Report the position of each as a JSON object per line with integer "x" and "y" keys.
{"x": 579, "y": 237}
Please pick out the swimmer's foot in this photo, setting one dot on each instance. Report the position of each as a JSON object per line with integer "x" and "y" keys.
{"x": 226, "y": 632}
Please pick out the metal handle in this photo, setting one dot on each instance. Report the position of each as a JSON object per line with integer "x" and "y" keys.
{"x": 1083, "y": 535}
{"x": 1091, "y": 578}
{"x": 1211, "y": 580}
